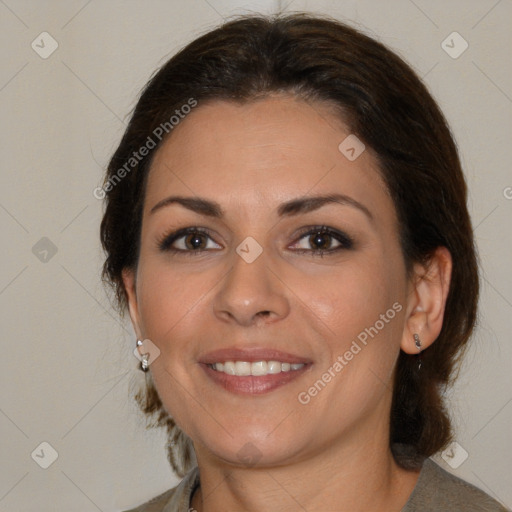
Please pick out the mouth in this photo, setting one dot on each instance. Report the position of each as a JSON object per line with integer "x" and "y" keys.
{"x": 253, "y": 372}
{"x": 256, "y": 369}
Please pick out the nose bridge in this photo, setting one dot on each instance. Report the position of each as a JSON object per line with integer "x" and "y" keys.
{"x": 251, "y": 289}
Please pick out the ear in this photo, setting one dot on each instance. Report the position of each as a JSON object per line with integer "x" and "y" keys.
{"x": 129, "y": 282}
{"x": 428, "y": 292}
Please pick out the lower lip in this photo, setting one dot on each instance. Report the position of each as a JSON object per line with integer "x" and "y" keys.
{"x": 251, "y": 384}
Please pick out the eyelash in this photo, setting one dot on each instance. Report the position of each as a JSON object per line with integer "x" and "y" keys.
{"x": 166, "y": 241}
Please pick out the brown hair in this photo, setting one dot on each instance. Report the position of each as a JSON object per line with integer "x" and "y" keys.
{"x": 387, "y": 106}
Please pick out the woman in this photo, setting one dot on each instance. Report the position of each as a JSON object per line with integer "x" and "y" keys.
{"x": 286, "y": 223}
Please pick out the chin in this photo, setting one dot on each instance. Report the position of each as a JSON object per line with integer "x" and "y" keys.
{"x": 254, "y": 448}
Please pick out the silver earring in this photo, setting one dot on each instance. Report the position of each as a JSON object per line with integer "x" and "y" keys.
{"x": 417, "y": 342}
{"x": 144, "y": 364}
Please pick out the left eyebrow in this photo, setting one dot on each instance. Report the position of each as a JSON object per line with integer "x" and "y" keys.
{"x": 311, "y": 203}
{"x": 297, "y": 206}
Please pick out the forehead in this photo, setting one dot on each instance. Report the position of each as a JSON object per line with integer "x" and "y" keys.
{"x": 262, "y": 152}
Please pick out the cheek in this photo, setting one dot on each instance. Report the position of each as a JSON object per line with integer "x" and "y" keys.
{"x": 361, "y": 306}
{"x": 364, "y": 321}
{"x": 166, "y": 299}
{"x": 351, "y": 297}
{"x": 169, "y": 302}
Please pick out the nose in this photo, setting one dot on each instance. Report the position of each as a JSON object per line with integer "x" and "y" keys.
{"x": 251, "y": 294}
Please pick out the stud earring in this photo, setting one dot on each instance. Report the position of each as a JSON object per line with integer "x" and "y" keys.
{"x": 417, "y": 342}
{"x": 144, "y": 364}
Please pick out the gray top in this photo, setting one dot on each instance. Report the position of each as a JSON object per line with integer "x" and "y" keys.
{"x": 436, "y": 491}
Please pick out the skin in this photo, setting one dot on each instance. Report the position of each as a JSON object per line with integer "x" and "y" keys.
{"x": 251, "y": 158}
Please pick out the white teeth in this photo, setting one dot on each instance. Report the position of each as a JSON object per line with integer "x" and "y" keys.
{"x": 274, "y": 367}
{"x": 229, "y": 368}
{"x": 258, "y": 368}
{"x": 242, "y": 368}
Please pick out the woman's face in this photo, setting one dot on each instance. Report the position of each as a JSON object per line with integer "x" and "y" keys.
{"x": 248, "y": 283}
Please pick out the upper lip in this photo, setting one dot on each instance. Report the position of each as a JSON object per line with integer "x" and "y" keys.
{"x": 251, "y": 355}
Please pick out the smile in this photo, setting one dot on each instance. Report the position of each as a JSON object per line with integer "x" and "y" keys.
{"x": 253, "y": 370}
{"x": 253, "y": 378}
{"x": 256, "y": 368}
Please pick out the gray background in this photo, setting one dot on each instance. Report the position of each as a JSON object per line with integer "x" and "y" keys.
{"x": 68, "y": 370}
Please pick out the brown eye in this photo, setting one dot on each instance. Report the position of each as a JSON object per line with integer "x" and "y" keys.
{"x": 323, "y": 240}
{"x": 188, "y": 241}
{"x": 195, "y": 241}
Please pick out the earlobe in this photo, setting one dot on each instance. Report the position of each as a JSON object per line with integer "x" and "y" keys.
{"x": 429, "y": 292}
{"x": 129, "y": 283}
